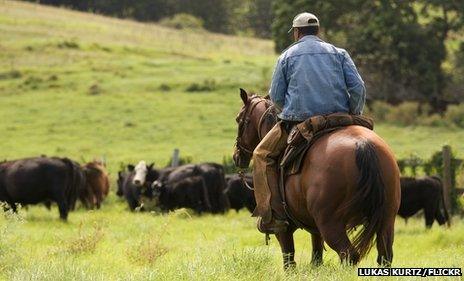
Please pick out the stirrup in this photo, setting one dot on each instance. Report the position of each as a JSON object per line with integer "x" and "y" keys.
{"x": 273, "y": 227}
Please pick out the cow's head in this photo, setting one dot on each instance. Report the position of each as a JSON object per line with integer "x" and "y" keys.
{"x": 141, "y": 171}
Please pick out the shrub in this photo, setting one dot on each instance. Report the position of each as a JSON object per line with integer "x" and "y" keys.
{"x": 206, "y": 86}
{"x": 68, "y": 44}
{"x": 164, "y": 88}
{"x": 94, "y": 90}
{"x": 182, "y": 161}
{"x": 33, "y": 82}
{"x": 434, "y": 120}
{"x": 413, "y": 113}
{"x": 53, "y": 77}
{"x": 182, "y": 21}
{"x": 13, "y": 74}
{"x": 404, "y": 114}
{"x": 86, "y": 243}
{"x": 379, "y": 110}
{"x": 455, "y": 115}
{"x": 147, "y": 251}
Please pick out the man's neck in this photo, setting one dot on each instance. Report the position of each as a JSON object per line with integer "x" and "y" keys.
{"x": 307, "y": 36}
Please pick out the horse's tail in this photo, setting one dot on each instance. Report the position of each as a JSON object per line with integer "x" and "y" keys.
{"x": 368, "y": 202}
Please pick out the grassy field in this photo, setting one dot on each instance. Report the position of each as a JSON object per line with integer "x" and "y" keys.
{"x": 80, "y": 85}
{"x": 113, "y": 244}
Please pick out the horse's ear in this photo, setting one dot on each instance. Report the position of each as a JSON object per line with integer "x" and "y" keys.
{"x": 130, "y": 167}
{"x": 151, "y": 165}
{"x": 244, "y": 96}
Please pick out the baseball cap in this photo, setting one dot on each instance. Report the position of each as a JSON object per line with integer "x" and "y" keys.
{"x": 304, "y": 19}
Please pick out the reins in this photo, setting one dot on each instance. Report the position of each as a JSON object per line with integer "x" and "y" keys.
{"x": 241, "y": 174}
{"x": 246, "y": 121}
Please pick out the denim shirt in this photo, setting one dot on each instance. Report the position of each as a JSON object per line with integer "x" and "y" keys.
{"x": 313, "y": 77}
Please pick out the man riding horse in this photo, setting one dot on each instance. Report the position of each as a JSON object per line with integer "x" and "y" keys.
{"x": 311, "y": 78}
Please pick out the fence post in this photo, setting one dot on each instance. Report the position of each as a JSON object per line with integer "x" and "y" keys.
{"x": 447, "y": 183}
{"x": 175, "y": 158}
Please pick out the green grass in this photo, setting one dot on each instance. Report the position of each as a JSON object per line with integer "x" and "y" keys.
{"x": 114, "y": 244}
{"x": 84, "y": 86}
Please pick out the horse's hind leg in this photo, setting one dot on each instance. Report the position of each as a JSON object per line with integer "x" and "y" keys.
{"x": 385, "y": 243}
{"x": 288, "y": 248}
{"x": 335, "y": 236}
{"x": 318, "y": 248}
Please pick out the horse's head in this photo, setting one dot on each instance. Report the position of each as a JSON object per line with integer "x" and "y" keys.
{"x": 248, "y": 135}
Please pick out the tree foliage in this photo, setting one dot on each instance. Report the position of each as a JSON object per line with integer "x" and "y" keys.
{"x": 224, "y": 16}
{"x": 400, "y": 44}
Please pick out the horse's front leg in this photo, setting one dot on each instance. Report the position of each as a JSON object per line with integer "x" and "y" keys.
{"x": 288, "y": 247}
{"x": 318, "y": 248}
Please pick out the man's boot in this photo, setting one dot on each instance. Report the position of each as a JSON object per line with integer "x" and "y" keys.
{"x": 277, "y": 221}
{"x": 269, "y": 208}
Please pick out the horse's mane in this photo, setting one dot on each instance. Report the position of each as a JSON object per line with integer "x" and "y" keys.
{"x": 254, "y": 95}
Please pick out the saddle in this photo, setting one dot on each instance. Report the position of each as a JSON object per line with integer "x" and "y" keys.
{"x": 305, "y": 134}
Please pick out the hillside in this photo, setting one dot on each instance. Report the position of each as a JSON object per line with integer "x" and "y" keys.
{"x": 83, "y": 85}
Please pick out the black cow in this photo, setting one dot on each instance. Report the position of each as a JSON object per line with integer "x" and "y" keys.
{"x": 239, "y": 194}
{"x": 214, "y": 180}
{"x": 212, "y": 174}
{"x": 42, "y": 179}
{"x": 423, "y": 193}
{"x": 122, "y": 175}
{"x": 127, "y": 189}
{"x": 189, "y": 192}
{"x": 132, "y": 189}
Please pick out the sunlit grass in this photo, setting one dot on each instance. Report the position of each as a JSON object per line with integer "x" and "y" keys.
{"x": 140, "y": 246}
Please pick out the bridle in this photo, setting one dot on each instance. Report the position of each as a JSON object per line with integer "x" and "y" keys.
{"x": 245, "y": 120}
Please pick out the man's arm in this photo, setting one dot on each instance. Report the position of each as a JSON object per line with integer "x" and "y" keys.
{"x": 278, "y": 85}
{"x": 354, "y": 84}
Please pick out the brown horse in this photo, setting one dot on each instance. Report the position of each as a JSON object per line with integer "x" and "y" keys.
{"x": 349, "y": 177}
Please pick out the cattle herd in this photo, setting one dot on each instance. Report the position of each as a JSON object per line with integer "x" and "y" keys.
{"x": 50, "y": 180}
{"x": 204, "y": 188}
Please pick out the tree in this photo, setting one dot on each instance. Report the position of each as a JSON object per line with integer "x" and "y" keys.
{"x": 400, "y": 44}
{"x": 260, "y": 17}
{"x": 215, "y": 13}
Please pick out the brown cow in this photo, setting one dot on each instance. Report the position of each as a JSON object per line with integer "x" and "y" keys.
{"x": 98, "y": 185}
